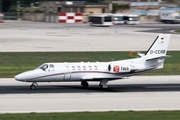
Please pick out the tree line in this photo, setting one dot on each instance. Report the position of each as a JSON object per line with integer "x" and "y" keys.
{"x": 8, "y": 4}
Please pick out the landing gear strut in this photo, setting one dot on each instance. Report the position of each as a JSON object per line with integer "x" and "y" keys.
{"x": 103, "y": 84}
{"x": 84, "y": 84}
{"x": 33, "y": 86}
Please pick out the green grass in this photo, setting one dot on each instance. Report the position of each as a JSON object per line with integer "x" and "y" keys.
{"x": 177, "y": 30}
{"x": 12, "y": 64}
{"x": 129, "y": 115}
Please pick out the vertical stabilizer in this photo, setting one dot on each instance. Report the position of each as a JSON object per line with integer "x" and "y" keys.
{"x": 159, "y": 47}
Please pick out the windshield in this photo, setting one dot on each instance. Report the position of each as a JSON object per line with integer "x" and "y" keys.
{"x": 43, "y": 67}
{"x": 95, "y": 20}
{"x": 133, "y": 18}
{"x": 118, "y": 18}
{"x": 108, "y": 19}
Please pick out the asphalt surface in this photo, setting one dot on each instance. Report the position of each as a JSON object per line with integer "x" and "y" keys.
{"x": 75, "y": 87}
{"x": 24, "y": 36}
{"x": 157, "y": 27}
{"x": 137, "y": 93}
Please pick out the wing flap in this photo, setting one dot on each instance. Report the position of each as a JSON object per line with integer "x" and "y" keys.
{"x": 100, "y": 77}
{"x": 161, "y": 57}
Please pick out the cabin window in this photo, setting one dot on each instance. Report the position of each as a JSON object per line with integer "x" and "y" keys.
{"x": 90, "y": 68}
{"x": 78, "y": 67}
{"x": 84, "y": 67}
{"x": 73, "y": 68}
{"x": 126, "y": 18}
{"x": 134, "y": 18}
{"x": 67, "y": 68}
{"x": 51, "y": 66}
{"x": 118, "y": 18}
{"x": 108, "y": 19}
{"x": 95, "y": 20}
{"x": 95, "y": 67}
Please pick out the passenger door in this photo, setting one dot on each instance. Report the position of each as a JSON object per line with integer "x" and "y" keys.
{"x": 67, "y": 73}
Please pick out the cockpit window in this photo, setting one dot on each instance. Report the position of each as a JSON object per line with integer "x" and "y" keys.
{"x": 51, "y": 66}
{"x": 43, "y": 67}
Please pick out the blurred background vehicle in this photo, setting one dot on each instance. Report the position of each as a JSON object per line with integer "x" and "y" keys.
{"x": 169, "y": 17}
{"x": 126, "y": 19}
{"x": 101, "y": 20}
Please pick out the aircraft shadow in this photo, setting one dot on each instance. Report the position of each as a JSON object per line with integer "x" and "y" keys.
{"x": 91, "y": 89}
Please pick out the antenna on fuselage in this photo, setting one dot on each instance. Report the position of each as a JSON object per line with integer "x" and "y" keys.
{"x": 112, "y": 60}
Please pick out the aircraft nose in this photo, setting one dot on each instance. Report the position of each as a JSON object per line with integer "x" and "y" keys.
{"x": 19, "y": 77}
{"x": 25, "y": 76}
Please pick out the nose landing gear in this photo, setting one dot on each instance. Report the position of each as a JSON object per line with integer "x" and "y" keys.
{"x": 33, "y": 86}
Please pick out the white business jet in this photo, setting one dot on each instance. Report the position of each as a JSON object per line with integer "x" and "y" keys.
{"x": 103, "y": 72}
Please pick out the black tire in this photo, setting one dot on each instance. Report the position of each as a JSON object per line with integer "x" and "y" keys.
{"x": 84, "y": 84}
{"x": 100, "y": 85}
{"x": 33, "y": 87}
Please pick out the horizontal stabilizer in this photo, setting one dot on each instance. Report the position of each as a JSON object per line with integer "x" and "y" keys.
{"x": 161, "y": 57}
{"x": 140, "y": 54}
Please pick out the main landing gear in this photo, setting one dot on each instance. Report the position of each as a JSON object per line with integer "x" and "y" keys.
{"x": 33, "y": 86}
{"x": 84, "y": 84}
{"x": 102, "y": 84}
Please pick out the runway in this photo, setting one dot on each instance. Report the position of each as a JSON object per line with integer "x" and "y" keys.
{"x": 136, "y": 93}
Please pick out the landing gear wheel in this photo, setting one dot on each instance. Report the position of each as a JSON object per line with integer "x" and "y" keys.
{"x": 103, "y": 84}
{"x": 100, "y": 85}
{"x": 33, "y": 87}
{"x": 84, "y": 84}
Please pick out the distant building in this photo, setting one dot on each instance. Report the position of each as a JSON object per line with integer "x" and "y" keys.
{"x": 1, "y": 6}
{"x": 74, "y": 6}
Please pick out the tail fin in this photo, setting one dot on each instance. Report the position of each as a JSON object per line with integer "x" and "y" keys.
{"x": 159, "y": 47}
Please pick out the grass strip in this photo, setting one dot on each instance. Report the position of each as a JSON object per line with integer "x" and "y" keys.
{"x": 177, "y": 30}
{"x": 13, "y": 63}
{"x": 111, "y": 115}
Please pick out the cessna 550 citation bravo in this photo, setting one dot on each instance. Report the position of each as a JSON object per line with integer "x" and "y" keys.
{"x": 103, "y": 72}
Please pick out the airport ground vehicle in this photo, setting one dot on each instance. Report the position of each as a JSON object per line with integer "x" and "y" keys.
{"x": 101, "y": 20}
{"x": 125, "y": 19}
{"x": 118, "y": 18}
{"x": 169, "y": 17}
